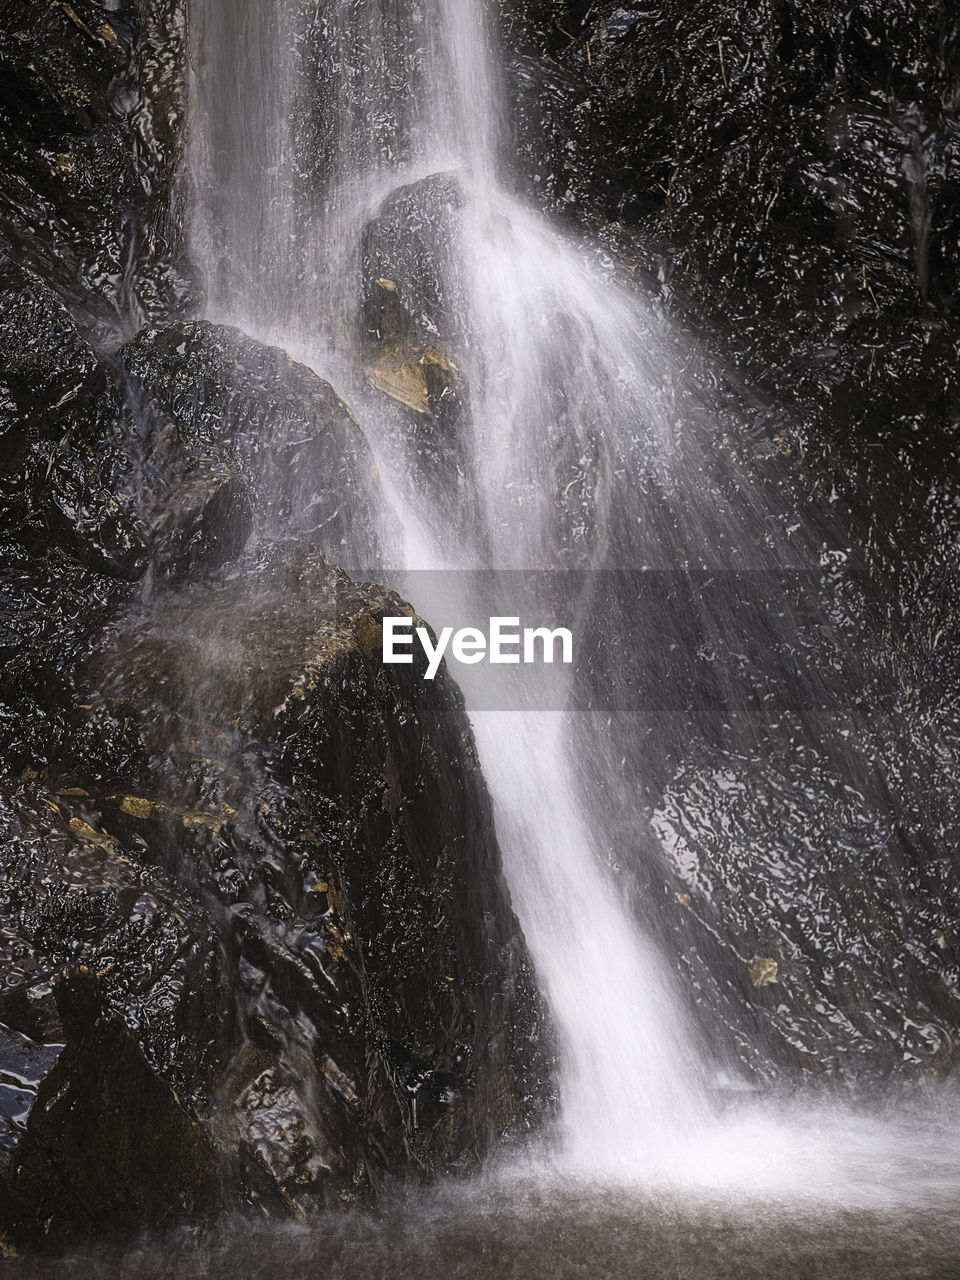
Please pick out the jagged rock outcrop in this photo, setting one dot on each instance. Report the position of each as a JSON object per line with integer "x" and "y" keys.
{"x": 257, "y": 946}
{"x": 259, "y": 435}
{"x": 814, "y": 919}
{"x": 91, "y": 115}
{"x": 61, "y": 427}
{"x": 348, "y": 838}
{"x": 413, "y": 344}
{"x": 109, "y": 994}
{"x": 275, "y": 857}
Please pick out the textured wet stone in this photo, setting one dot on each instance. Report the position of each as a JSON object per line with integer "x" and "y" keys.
{"x": 347, "y": 992}
{"x": 292, "y": 442}
{"x": 782, "y": 183}
{"x": 785, "y": 182}
{"x": 108, "y": 1000}
{"x": 61, "y": 425}
{"x": 91, "y": 112}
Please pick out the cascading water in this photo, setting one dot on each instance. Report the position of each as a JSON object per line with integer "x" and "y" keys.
{"x": 528, "y": 304}
{"x": 565, "y": 456}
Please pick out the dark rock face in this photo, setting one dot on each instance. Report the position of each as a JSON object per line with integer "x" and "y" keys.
{"x": 413, "y": 346}
{"x": 257, "y": 432}
{"x": 813, "y": 919}
{"x": 781, "y": 180}
{"x": 52, "y": 607}
{"x": 108, "y": 1001}
{"x": 257, "y": 949}
{"x": 108, "y": 1147}
{"x": 412, "y": 285}
{"x": 263, "y": 910}
{"x": 344, "y": 830}
{"x": 91, "y": 112}
{"x": 62, "y": 460}
{"x": 785, "y": 180}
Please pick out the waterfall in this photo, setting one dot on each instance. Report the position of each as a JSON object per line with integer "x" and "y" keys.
{"x": 375, "y": 231}
{"x": 561, "y": 395}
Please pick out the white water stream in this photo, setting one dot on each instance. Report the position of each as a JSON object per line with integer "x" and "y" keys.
{"x": 568, "y": 391}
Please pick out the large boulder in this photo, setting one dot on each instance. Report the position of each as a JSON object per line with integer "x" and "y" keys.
{"x": 339, "y": 819}
{"x": 288, "y": 444}
{"x": 413, "y": 346}
{"x": 305, "y": 834}
{"x": 147, "y": 468}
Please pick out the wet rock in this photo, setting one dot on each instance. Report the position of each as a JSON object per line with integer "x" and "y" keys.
{"x": 51, "y": 606}
{"x": 197, "y": 506}
{"x": 413, "y": 296}
{"x": 410, "y": 249}
{"x": 790, "y": 836}
{"x": 335, "y": 132}
{"x": 91, "y": 112}
{"x": 108, "y": 1147}
{"x": 414, "y": 344}
{"x": 82, "y": 514}
{"x": 61, "y": 425}
{"x": 782, "y": 182}
{"x": 109, "y": 997}
{"x": 207, "y": 522}
{"x": 287, "y": 440}
{"x": 418, "y": 377}
{"x": 856, "y": 106}
{"x": 47, "y": 366}
{"x": 378, "y": 1011}
{"x": 277, "y": 863}
{"x": 785, "y": 182}
{"x": 813, "y": 919}
{"x": 74, "y": 894}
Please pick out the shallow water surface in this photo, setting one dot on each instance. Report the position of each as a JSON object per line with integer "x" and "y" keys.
{"x": 528, "y": 1234}
{"x": 818, "y": 1193}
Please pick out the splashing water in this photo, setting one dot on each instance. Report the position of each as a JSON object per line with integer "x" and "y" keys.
{"x": 566, "y": 455}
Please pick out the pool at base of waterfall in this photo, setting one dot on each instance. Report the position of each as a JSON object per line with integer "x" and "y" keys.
{"x": 518, "y": 1231}
{"x": 809, "y": 1192}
